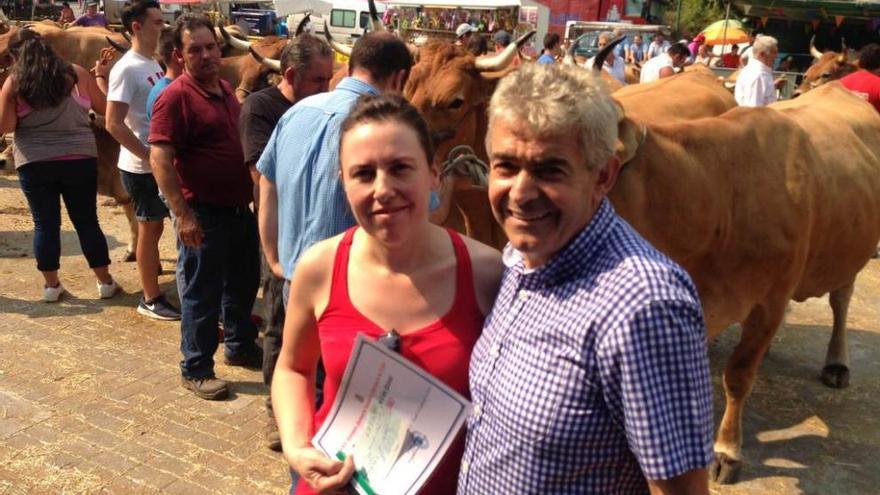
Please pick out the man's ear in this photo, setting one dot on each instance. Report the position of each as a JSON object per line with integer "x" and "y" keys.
{"x": 290, "y": 75}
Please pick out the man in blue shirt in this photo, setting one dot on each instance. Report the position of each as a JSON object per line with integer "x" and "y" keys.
{"x": 172, "y": 68}
{"x": 591, "y": 374}
{"x": 301, "y": 197}
{"x": 551, "y": 49}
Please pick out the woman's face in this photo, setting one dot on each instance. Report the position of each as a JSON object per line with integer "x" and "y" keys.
{"x": 387, "y": 179}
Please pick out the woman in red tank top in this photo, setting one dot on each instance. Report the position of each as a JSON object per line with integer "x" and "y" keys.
{"x": 395, "y": 270}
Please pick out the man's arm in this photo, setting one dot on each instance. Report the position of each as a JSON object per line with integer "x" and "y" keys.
{"x": 667, "y": 71}
{"x": 162, "y": 162}
{"x": 694, "y": 482}
{"x": 268, "y": 225}
{"x": 116, "y": 112}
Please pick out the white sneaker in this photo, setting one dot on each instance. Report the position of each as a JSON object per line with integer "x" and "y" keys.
{"x": 106, "y": 291}
{"x": 52, "y": 294}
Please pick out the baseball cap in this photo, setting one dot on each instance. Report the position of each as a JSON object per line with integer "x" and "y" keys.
{"x": 502, "y": 38}
{"x": 464, "y": 29}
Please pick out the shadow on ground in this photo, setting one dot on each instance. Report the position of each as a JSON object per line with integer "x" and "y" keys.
{"x": 19, "y": 244}
{"x": 822, "y": 440}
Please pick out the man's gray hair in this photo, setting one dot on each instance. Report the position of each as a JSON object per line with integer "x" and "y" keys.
{"x": 607, "y": 35}
{"x": 301, "y": 50}
{"x": 556, "y": 98}
{"x": 763, "y": 44}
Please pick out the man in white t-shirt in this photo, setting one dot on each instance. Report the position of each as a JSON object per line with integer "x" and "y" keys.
{"x": 614, "y": 64}
{"x": 657, "y": 47}
{"x": 664, "y": 65}
{"x": 755, "y": 86}
{"x": 131, "y": 80}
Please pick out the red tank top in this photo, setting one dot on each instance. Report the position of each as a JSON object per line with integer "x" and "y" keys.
{"x": 439, "y": 348}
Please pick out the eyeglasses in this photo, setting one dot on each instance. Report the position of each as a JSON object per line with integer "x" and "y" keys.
{"x": 391, "y": 340}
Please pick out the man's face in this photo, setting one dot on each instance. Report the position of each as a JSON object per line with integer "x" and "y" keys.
{"x": 637, "y": 40}
{"x": 658, "y": 39}
{"x": 678, "y": 60}
{"x": 540, "y": 188}
{"x": 152, "y": 25}
{"x": 768, "y": 57}
{"x": 314, "y": 79}
{"x": 92, "y": 10}
{"x": 201, "y": 53}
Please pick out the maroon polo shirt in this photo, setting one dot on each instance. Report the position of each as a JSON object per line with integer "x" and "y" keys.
{"x": 203, "y": 129}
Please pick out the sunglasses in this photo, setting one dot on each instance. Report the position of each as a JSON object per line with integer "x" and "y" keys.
{"x": 390, "y": 340}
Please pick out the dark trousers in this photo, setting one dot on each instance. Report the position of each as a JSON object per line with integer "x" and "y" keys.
{"x": 218, "y": 279}
{"x": 273, "y": 306}
{"x": 44, "y": 184}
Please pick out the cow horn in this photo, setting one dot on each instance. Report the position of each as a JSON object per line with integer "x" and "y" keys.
{"x": 233, "y": 41}
{"x": 339, "y": 47}
{"x": 119, "y": 48}
{"x": 569, "y": 54}
{"x": 126, "y": 36}
{"x": 503, "y": 59}
{"x": 267, "y": 62}
{"x": 841, "y": 59}
{"x": 599, "y": 60}
{"x": 302, "y": 24}
{"x": 813, "y": 51}
{"x": 376, "y": 24}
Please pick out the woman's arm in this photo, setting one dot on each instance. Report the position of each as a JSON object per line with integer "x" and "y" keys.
{"x": 293, "y": 384}
{"x": 89, "y": 87}
{"x": 8, "y": 117}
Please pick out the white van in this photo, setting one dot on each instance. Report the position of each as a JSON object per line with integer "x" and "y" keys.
{"x": 349, "y": 18}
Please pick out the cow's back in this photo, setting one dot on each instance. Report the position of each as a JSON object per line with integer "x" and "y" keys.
{"x": 729, "y": 199}
{"x": 688, "y": 95}
{"x": 845, "y": 130}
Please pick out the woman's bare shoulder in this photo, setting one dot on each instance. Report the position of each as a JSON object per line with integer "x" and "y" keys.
{"x": 488, "y": 268}
{"x": 316, "y": 264}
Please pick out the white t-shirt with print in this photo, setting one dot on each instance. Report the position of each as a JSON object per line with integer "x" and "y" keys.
{"x": 130, "y": 82}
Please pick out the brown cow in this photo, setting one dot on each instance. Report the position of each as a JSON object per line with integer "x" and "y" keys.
{"x": 760, "y": 206}
{"x": 77, "y": 45}
{"x": 828, "y": 66}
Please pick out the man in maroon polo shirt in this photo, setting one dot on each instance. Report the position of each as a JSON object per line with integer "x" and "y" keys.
{"x": 199, "y": 165}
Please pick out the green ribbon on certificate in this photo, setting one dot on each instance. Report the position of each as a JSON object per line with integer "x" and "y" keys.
{"x": 358, "y": 477}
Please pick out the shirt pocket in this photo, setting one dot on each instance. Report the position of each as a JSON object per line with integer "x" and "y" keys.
{"x": 533, "y": 386}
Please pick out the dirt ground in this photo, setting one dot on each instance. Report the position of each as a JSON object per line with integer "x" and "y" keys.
{"x": 90, "y": 400}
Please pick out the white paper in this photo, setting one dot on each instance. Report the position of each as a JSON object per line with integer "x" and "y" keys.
{"x": 395, "y": 418}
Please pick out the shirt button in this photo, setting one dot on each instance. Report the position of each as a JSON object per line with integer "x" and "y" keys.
{"x": 464, "y": 467}
{"x": 523, "y": 295}
{"x": 495, "y": 350}
{"x": 478, "y": 410}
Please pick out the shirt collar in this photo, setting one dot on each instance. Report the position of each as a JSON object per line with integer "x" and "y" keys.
{"x": 189, "y": 80}
{"x": 567, "y": 263}
{"x": 356, "y": 86}
{"x": 759, "y": 64}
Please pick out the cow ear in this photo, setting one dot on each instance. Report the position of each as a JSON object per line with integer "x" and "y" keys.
{"x": 630, "y": 135}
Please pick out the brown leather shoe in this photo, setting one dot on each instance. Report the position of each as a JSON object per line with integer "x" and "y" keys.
{"x": 273, "y": 439}
{"x": 208, "y": 388}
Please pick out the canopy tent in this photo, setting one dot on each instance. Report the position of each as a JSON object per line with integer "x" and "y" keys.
{"x": 809, "y": 10}
{"x": 515, "y": 15}
{"x": 729, "y": 32}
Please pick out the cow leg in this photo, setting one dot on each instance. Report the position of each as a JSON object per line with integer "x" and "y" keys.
{"x": 835, "y": 374}
{"x": 131, "y": 249}
{"x": 739, "y": 376}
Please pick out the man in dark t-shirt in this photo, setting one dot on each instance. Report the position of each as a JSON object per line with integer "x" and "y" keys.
{"x": 306, "y": 68}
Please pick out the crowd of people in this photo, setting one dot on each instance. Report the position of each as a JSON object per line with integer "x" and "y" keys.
{"x": 587, "y": 347}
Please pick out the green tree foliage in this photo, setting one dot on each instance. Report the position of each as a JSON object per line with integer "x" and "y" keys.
{"x": 695, "y": 15}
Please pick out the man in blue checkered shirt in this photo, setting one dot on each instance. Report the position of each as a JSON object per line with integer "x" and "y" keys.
{"x": 591, "y": 375}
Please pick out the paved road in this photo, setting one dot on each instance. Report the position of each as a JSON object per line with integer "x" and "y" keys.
{"x": 90, "y": 400}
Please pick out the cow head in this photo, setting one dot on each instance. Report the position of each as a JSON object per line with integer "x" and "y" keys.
{"x": 255, "y": 73}
{"x": 826, "y": 67}
{"x": 451, "y": 88}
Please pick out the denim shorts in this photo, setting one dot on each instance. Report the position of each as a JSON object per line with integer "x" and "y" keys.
{"x": 144, "y": 196}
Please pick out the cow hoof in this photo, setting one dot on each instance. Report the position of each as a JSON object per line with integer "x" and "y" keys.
{"x": 129, "y": 257}
{"x": 835, "y": 376}
{"x": 724, "y": 469}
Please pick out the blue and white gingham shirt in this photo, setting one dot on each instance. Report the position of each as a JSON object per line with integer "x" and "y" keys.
{"x": 591, "y": 373}
{"x": 302, "y": 160}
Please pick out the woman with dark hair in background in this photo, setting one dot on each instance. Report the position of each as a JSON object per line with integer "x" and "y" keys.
{"x": 67, "y": 16}
{"x": 45, "y": 102}
{"x": 478, "y": 45}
